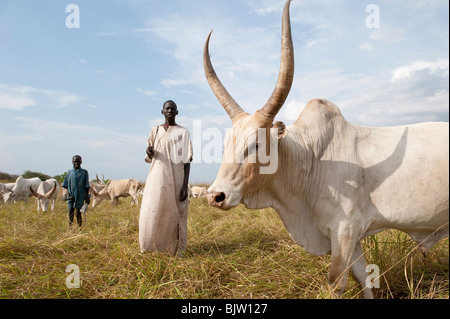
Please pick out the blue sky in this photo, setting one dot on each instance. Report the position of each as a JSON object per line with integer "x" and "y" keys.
{"x": 97, "y": 90}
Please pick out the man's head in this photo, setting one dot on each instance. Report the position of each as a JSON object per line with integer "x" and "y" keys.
{"x": 170, "y": 111}
{"x": 76, "y": 161}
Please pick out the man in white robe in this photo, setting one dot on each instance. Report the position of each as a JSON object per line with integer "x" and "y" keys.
{"x": 164, "y": 208}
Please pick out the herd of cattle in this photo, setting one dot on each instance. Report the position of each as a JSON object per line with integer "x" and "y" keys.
{"x": 47, "y": 192}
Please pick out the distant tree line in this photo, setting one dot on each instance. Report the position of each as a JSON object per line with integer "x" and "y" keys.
{"x": 9, "y": 178}
{"x": 5, "y": 177}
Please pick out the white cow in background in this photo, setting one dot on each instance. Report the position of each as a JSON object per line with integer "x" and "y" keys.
{"x": 198, "y": 191}
{"x": 2, "y": 191}
{"x": 65, "y": 193}
{"x": 140, "y": 192}
{"x": 21, "y": 190}
{"x": 96, "y": 186}
{"x": 46, "y": 194}
{"x": 115, "y": 189}
{"x": 5, "y": 188}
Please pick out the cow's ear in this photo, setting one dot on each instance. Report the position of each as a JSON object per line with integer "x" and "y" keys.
{"x": 282, "y": 131}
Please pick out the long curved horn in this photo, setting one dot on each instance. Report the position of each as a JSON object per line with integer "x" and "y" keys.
{"x": 35, "y": 193}
{"x": 50, "y": 193}
{"x": 94, "y": 191}
{"x": 228, "y": 103}
{"x": 286, "y": 74}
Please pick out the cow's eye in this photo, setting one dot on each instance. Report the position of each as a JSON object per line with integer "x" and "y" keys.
{"x": 253, "y": 150}
{"x": 246, "y": 152}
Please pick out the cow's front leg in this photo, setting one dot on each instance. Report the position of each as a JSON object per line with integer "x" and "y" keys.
{"x": 343, "y": 243}
{"x": 133, "y": 201}
{"x": 358, "y": 266}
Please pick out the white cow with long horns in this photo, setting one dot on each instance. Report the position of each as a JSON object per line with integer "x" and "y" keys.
{"x": 115, "y": 189}
{"x": 46, "y": 194}
{"x": 21, "y": 190}
{"x": 334, "y": 183}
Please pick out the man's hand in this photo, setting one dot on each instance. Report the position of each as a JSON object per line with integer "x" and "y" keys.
{"x": 183, "y": 194}
{"x": 150, "y": 151}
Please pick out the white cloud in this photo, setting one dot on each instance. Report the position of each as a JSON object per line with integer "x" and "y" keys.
{"x": 174, "y": 82}
{"x": 18, "y": 97}
{"x": 388, "y": 34}
{"x": 106, "y": 34}
{"x": 146, "y": 92}
{"x": 76, "y": 63}
{"x": 420, "y": 6}
{"x": 265, "y": 7}
{"x": 292, "y": 110}
{"x": 66, "y": 99}
{"x": 238, "y": 51}
{"x": 417, "y": 92}
{"x": 14, "y": 102}
{"x": 366, "y": 46}
{"x": 406, "y": 72}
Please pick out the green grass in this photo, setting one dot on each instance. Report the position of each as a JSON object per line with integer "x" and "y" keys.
{"x": 231, "y": 254}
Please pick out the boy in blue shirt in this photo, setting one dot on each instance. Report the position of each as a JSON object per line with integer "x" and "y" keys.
{"x": 77, "y": 184}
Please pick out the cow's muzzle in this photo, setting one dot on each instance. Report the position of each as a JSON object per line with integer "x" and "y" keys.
{"x": 216, "y": 199}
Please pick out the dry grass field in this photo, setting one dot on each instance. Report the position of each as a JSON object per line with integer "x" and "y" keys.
{"x": 231, "y": 254}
